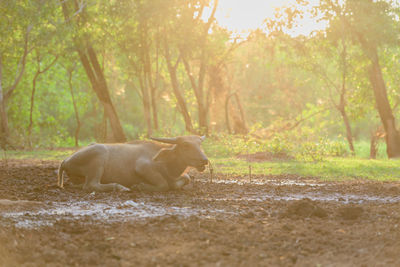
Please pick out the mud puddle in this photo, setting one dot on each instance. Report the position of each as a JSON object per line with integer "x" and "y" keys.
{"x": 46, "y": 214}
{"x": 92, "y": 212}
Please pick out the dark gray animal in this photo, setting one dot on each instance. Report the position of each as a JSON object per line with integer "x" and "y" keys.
{"x": 150, "y": 166}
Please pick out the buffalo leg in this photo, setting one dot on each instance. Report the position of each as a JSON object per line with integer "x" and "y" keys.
{"x": 180, "y": 182}
{"x": 155, "y": 182}
{"x": 106, "y": 187}
{"x": 92, "y": 182}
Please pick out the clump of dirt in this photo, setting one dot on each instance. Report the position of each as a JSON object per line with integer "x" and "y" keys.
{"x": 350, "y": 212}
{"x": 265, "y": 156}
{"x": 305, "y": 208}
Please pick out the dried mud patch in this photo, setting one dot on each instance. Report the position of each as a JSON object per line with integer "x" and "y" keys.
{"x": 269, "y": 221}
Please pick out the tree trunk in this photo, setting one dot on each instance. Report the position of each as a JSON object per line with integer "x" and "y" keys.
{"x": 241, "y": 110}
{"x": 203, "y": 110}
{"x": 153, "y": 96}
{"x": 31, "y": 108}
{"x": 342, "y": 101}
{"x": 38, "y": 72}
{"x": 6, "y": 94}
{"x": 383, "y": 105}
{"x": 146, "y": 103}
{"x": 376, "y": 134}
{"x": 228, "y": 125}
{"x": 349, "y": 135}
{"x": 198, "y": 92}
{"x": 92, "y": 68}
{"x": 104, "y": 132}
{"x": 175, "y": 86}
{"x": 152, "y": 85}
{"x": 102, "y": 89}
{"x": 373, "y": 148}
{"x": 78, "y": 122}
{"x": 3, "y": 113}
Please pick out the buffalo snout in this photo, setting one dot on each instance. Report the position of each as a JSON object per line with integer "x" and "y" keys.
{"x": 201, "y": 166}
{"x": 204, "y": 161}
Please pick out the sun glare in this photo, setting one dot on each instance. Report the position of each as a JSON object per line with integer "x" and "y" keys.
{"x": 240, "y": 16}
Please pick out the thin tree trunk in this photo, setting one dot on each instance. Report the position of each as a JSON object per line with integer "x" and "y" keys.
{"x": 198, "y": 91}
{"x": 228, "y": 125}
{"x": 241, "y": 110}
{"x": 145, "y": 73}
{"x": 153, "y": 97}
{"x": 5, "y": 132}
{"x": 102, "y": 87}
{"x": 342, "y": 103}
{"x": 92, "y": 68}
{"x": 5, "y": 93}
{"x": 78, "y": 122}
{"x": 373, "y": 148}
{"x": 31, "y": 108}
{"x": 104, "y": 134}
{"x": 175, "y": 86}
{"x": 382, "y": 103}
{"x": 152, "y": 85}
{"x": 146, "y": 103}
{"x": 349, "y": 135}
{"x": 38, "y": 72}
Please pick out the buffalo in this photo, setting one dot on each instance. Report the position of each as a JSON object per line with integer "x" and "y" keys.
{"x": 150, "y": 166}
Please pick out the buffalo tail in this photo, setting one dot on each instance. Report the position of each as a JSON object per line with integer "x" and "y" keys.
{"x": 60, "y": 182}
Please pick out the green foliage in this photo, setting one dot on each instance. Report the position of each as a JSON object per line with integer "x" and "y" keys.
{"x": 280, "y": 79}
{"x": 301, "y": 147}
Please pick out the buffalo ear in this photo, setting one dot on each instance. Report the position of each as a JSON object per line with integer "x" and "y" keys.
{"x": 165, "y": 154}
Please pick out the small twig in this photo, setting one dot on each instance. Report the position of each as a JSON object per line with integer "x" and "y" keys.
{"x": 194, "y": 185}
{"x": 250, "y": 173}
{"x": 211, "y": 169}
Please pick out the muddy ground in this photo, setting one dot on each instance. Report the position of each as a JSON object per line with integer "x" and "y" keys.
{"x": 270, "y": 221}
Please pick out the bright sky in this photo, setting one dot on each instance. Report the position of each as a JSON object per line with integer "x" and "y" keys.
{"x": 243, "y": 15}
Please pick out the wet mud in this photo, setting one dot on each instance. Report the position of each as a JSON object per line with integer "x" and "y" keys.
{"x": 231, "y": 221}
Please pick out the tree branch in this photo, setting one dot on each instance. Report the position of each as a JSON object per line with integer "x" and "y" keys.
{"x": 21, "y": 65}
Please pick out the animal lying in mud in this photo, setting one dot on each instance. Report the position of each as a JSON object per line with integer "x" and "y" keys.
{"x": 148, "y": 165}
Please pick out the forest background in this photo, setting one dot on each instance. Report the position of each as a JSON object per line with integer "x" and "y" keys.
{"x": 74, "y": 72}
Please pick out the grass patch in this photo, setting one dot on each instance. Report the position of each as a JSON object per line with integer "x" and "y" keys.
{"x": 37, "y": 154}
{"x": 329, "y": 169}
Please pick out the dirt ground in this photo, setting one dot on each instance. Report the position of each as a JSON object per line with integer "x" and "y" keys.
{"x": 270, "y": 221}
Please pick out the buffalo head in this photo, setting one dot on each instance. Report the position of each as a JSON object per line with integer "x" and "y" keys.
{"x": 185, "y": 148}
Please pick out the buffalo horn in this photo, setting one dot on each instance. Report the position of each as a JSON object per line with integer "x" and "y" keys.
{"x": 165, "y": 140}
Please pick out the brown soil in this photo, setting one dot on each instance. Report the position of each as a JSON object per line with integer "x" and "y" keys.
{"x": 273, "y": 221}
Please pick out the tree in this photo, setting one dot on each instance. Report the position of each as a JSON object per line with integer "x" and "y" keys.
{"x": 92, "y": 67}
{"x": 203, "y": 58}
{"x": 39, "y": 71}
{"x": 373, "y": 24}
{"x": 8, "y": 52}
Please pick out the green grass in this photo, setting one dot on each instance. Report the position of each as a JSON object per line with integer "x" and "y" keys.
{"x": 36, "y": 154}
{"x": 329, "y": 169}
